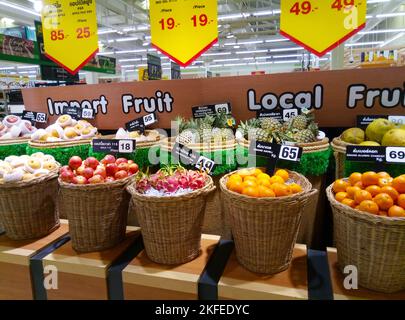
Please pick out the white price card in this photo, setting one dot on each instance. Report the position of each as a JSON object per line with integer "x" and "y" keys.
{"x": 289, "y": 153}
{"x": 222, "y": 108}
{"x": 289, "y": 113}
{"x": 395, "y": 154}
{"x": 126, "y": 146}
{"x": 149, "y": 119}
{"x": 397, "y": 119}
{"x": 41, "y": 117}
{"x": 205, "y": 164}
{"x": 87, "y": 113}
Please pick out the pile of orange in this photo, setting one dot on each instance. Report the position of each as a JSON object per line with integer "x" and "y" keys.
{"x": 375, "y": 193}
{"x": 256, "y": 183}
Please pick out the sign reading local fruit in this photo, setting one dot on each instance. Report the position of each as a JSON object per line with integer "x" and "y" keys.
{"x": 183, "y": 29}
{"x": 321, "y": 25}
{"x": 70, "y": 32}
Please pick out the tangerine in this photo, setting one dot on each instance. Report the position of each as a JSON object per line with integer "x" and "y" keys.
{"x": 401, "y": 200}
{"x": 384, "y": 174}
{"x": 235, "y": 186}
{"x": 361, "y": 196}
{"x": 249, "y": 183}
{"x": 369, "y": 206}
{"x": 266, "y": 192}
{"x": 264, "y": 182}
{"x": 351, "y": 191}
{"x": 340, "y": 196}
{"x": 263, "y": 176}
{"x": 257, "y": 171}
{"x": 340, "y": 186}
{"x": 252, "y": 178}
{"x": 384, "y": 182}
{"x": 384, "y": 201}
{"x": 396, "y": 211}
{"x": 354, "y": 177}
{"x": 349, "y": 202}
{"x": 359, "y": 184}
{"x": 276, "y": 179}
{"x": 374, "y": 190}
{"x": 281, "y": 190}
{"x": 235, "y": 177}
{"x": 391, "y": 192}
{"x": 245, "y": 172}
{"x": 383, "y": 213}
{"x": 251, "y": 192}
{"x": 295, "y": 188}
{"x": 283, "y": 174}
{"x": 399, "y": 184}
{"x": 369, "y": 178}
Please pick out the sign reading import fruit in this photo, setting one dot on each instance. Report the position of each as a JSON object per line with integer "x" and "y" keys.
{"x": 183, "y": 29}
{"x": 70, "y": 32}
{"x": 320, "y": 26}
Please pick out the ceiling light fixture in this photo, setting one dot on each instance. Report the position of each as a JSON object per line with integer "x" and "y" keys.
{"x": 358, "y": 44}
{"x": 276, "y": 40}
{"x": 287, "y": 61}
{"x": 396, "y": 37}
{"x": 251, "y": 51}
{"x": 286, "y": 49}
{"x": 101, "y": 32}
{"x": 20, "y": 8}
{"x": 130, "y": 60}
{"x": 390, "y": 15}
{"x": 216, "y": 54}
{"x": 382, "y": 31}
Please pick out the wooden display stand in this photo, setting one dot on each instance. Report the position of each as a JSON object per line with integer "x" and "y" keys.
{"x": 144, "y": 279}
{"x": 83, "y": 276}
{"x": 15, "y": 256}
{"x": 340, "y": 293}
{"x": 238, "y": 283}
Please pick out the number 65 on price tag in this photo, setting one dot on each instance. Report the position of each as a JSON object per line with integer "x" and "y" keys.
{"x": 290, "y": 153}
{"x": 395, "y": 154}
{"x": 126, "y": 146}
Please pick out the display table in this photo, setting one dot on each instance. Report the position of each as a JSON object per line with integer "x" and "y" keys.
{"x": 238, "y": 283}
{"x": 16, "y": 258}
{"x": 144, "y": 279}
{"x": 84, "y": 275}
{"x": 340, "y": 293}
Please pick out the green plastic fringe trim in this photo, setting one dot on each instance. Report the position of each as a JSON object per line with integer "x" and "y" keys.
{"x": 62, "y": 155}
{"x": 312, "y": 164}
{"x": 226, "y": 158}
{"x": 394, "y": 169}
{"x": 140, "y": 156}
{"x": 13, "y": 150}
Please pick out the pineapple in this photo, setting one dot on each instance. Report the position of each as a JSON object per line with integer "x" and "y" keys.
{"x": 204, "y": 126}
{"x": 270, "y": 124}
{"x": 181, "y": 123}
{"x": 186, "y": 137}
{"x": 251, "y": 131}
{"x": 308, "y": 135}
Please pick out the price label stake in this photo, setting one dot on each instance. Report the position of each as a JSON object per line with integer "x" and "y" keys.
{"x": 190, "y": 157}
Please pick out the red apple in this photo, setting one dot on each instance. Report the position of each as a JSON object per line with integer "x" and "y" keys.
{"x": 91, "y": 162}
{"x": 133, "y": 168}
{"x": 88, "y": 172}
{"x": 101, "y": 171}
{"x": 80, "y": 180}
{"x": 111, "y": 169}
{"x": 121, "y": 160}
{"x": 96, "y": 179}
{"x": 123, "y": 166}
{"x": 65, "y": 168}
{"x": 109, "y": 179}
{"x": 67, "y": 176}
{"x": 131, "y": 161}
{"x": 80, "y": 170}
{"x": 75, "y": 162}
{"x": 121, "y": 174}
{"x": 108, "y": 159}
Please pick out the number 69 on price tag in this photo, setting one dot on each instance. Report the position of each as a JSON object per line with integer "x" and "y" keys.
{"x": 395, "y": 154}
{"x": 126, "y": 146}
{"x": 290, "y": 153}
{"x": 205, "y": 164}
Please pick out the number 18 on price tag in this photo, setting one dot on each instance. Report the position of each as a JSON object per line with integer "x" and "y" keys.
{"x": 126, "y": 146}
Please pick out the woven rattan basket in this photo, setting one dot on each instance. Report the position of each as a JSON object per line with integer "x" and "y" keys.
{"x": 171, "y": 226}
{"x": 215, "y": 221}
{"x": 339, "y": 152}
{"x": 97, "y": 213}
{"x": 265, "y": 229}
{"x": 375, "y": 245}
{"x": 28, "y": 209}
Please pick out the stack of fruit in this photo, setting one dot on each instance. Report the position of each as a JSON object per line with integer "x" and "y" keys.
{"x": 371, "y": 192}
{"x": 26, "y": 168}
{"x": 171, "y": 181}
{"x": 379, "y": 132}
{"x": 13, "y": 127}
{"x": 211, "y": 129}
{"x": 255, "y": 183}
{"x": 91, "y": 171}
{"x": 299, "y": 129}
{"x": 65, "y": 129}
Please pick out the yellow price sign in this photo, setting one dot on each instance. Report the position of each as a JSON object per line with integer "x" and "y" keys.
{"x": 70, "y": 32}
{"x": 321, "y": 25}
{"x": 183, "y": 29}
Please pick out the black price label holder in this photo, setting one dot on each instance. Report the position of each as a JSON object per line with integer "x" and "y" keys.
{"x": 190, "y": 157}
{"x": 74, "y": 112}
{"x": 114, "y": 146}
{"x": 280, "y": 115}
{"x": 364, "y": 120}
{"x": 275, "y": 152}
{"x": 35, "y": 117}
{"x": 378, "y": 155}
{"x": 141, "y": 123}
{"x": 211, "y": 110}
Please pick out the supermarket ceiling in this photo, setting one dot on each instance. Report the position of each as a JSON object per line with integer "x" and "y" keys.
{"x": 248, "y": 31}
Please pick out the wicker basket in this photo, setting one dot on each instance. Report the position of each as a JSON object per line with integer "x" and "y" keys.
{"x": 171, "y": 226}
{"x": 97, "y": 213}
{"x": 215, "y": 221}
{"x": 28, "y": 209}
{"x": 339, "y": 152}
{"x": 265, "y": 229}
{"x": 375, "y": 245}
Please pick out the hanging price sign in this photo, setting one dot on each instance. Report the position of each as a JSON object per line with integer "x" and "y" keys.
{"x": 70, "y": 32}
{"x": 183, "y": 29}
{"x": 320, "y": 26}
